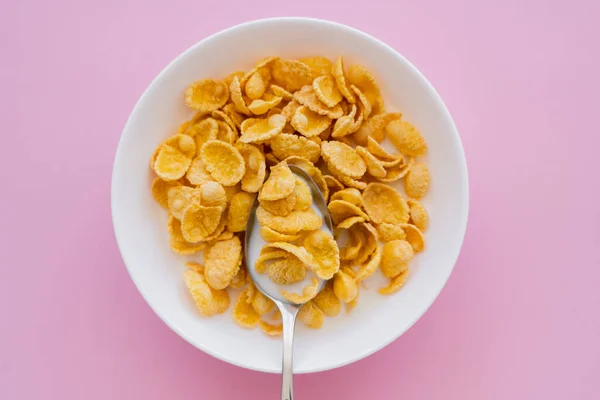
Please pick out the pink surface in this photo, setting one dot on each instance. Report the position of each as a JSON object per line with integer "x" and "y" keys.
{"x": 519, "y": 317}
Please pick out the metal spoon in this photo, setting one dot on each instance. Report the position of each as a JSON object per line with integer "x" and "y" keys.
{"x": 288, "y": 310}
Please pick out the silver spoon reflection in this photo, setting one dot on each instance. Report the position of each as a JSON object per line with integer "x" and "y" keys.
{"x": 289, "y": 311}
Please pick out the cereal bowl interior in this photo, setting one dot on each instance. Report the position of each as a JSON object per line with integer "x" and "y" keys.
{"x": 140, "y": 223}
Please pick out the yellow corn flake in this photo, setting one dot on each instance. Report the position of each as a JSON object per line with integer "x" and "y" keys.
{"x": 300, "y": 252}
{"x": 179, "y": 197}
{"x": 281, "y": 207}
{"x": 311, "y": 315}
{"x": 369, "y": 268}
{"x": 384, "y": 204}
{"x": 291, "y": 74}
{"x": 223, "y": 161}
{"x": 222, "y": 262}
{"x": 197, "y": 173}
{"x": 289, "y": 110}
{"x": 346, "y": 180}
{"x": 262, "y": 106}
{"x": 309, "y": 123}
{"x": 238, "y": 211}
{"x": 206, "y": 95}
{"x": 213, "y": 194}
{"x": 174, "y": 157}
{"x": 257, "y": 83}
{"x": 327, "y": 301}
{"x": 369, "y": 245}
{"x": 268, "y": 254}
{"x": 270, "y": 235}
{"x": 308, "y": 293}
{"x": 396, "y": 256}
{"x": 229, "y": 78}
{"x": 194, "y": 266}
{"x": 281, "y": 92}
{"x": 347, "y": 223}
{"x": 256, "y": 167}
{"x": 208, "y": 300}
{"x": 397, "y": 172}
{"x": 160, "y": 191}
{"x": 333, "y": 184}
{"x": 234, "y": 116}
{"x": 416, "y": 183}
{"x": 395, "y": 284}
{"x": 314, "y": 172}
{"x": 364, "y": 109}
{"x": 308, "y": 98}
{"x": 418, "y": 215}
{"x": 259, "y": 130}
{"x": 374, "y": 166}
{"x": 203, "y": 131}
{"x": 265, "y": 63}
{"x": 303, "y": 195}
{"x": 226, "y": 133}
{"x": 344, "y": 287}
{"x": 280, "y": 184}
{"x": 386, "y": 159}
{"x": 374, "y": 127}
{"x": 343, "y": 158}
{"x": 319, "y": 65}
{"x": 237, "y": 97}
{"x": 221, "y": 116}
{"x": 326, "y": 90}
{"x": 325, "y": 252}
{"x": 262, "y": 304}
{"x": 241, "y": 278}
{"x": 406, "y": 138}
{"x": 291, "y": 224}
{"x": 271, "y": 329}
{"x": 286, "y": 270}
{"x": 343, "y": 126}
{"x": 388, "y": 232}
{"x": 364, "y": 80}
{"x": 414, "y": 236}
{"x": 198, "y": 222}
{"x": 352, "y": 249}
{"x": 244, "y": 313}
{"x": 285, "y": 145}
{"x": 177, "y": 242}
{"x": 351, "y": 195}
{"x": 341, "y": 210}
{"x": 340, "y": 78}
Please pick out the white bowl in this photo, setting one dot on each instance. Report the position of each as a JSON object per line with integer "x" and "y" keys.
{"x": 140, "y": 223}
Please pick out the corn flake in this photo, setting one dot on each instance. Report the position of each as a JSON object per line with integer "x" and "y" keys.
{"x": 256, "y": 167}
{"x": 308, "y": 293}
{"x": 291, "y": 74}
{"x": 291, "y": 224}
{"x": 406, "y": 138}
{"x": 286, "y": 270}
{"x": 308, "y": 98}
{"x": 344, "y": 287}
{"x": 213, "y": 194}
{"x": 327, "y": 301}
{"x": 351, "y": 195}
{"x": 369, "y": 268}
{"x": 341, "y": 210}
{"x": 311, "y": 315}
{"x": 259, "y": 130}
{"x": 300, "y": 252}
{"x": 206, "y": 95}
{"x": 327, "y": 91}
{"x": 309, "y": 123}
{"x": 414, "y": 236}
{"x": 179, "y": 197}
{"x": 160, "y": 191}
{"x": 197, "y": 173}
{"x": 418, "y": 215}
{"x": 279, "y": 184}
{"x": 303, "y": 195}
{"x": 374, "y": 127}
{"x": 314, "y": 172}
{"x": 340, "y": 78}
{"x": 270, "y": 235}
{"x": 244, "y": 313}
{"x": 384, "y": 204}
{"x": 257, "y": 83}
{"x": 370, "y": 244}
{"x": 343, "y": 158}
{"x": 223, "y": 161}
{"x": 208, "y": 300}
{"x": 177, "y": 241}
{"x": 416, "y": 183}
{"x": 397, "y": 172}
{"x": 281, "y": 207}
{"x": 396, "y": 256}
{"x": 343, "y": 126}
{"x": 198, "y": 222}
{"x": 319, "y": 65}
{"x": 233, "y": 115}
{"x": 262, "y": 304}
{"x": 281, "y": 92}
{"x": 222, "y": 262}
{"x": 325, "y": 252}
{"x": 364, "y": 80}
{"x": 271, "y": 329}
{"x": 238, "y": 211}
{"x": 285, "y": 145}
{"x": 388, "y": 232}
{"x": 237, "y": 97}
{"x": 395, "y": 284}
{"x": 352, "y": 249}
{"x": 262, "y": 106}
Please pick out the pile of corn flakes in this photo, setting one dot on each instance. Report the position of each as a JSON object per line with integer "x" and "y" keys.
{"x": 248, "y": 128}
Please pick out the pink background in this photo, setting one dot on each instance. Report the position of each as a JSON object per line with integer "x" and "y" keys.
{"x": 519, "y": 318}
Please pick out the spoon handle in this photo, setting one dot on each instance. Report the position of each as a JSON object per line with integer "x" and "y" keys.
{"x": 288, "y": 316}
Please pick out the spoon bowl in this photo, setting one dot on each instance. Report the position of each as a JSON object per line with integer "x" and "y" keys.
{"x": 289, "y": 311}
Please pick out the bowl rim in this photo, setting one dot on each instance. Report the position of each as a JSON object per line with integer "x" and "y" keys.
{"x": 461, "y": 230}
